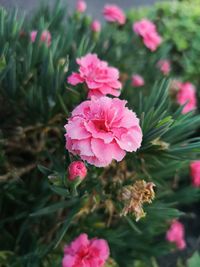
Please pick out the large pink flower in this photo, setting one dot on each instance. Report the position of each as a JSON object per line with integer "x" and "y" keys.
{"x": 187, "y": 95}
{"x": 83, "y": 252}
{"x": 176, "y": 234}
{"x": 113, "y": 13}
{"x": 100, "y": 78}
{"x": 147, "y": 30}
{"x": 195, "y": 173}
{"x": 102, "y": 129}
{"x": 45, "y": 37}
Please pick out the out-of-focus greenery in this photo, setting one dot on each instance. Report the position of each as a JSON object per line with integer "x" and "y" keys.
{"x": 179, "y": 23}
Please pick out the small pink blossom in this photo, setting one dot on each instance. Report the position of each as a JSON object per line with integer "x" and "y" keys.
{"x": 176, "y": 234}
{"x": 81, "y": 6}
{"x": 44, "y": 38}
{"x": 113, "y": 13}
{"x": 100, "y": 78}
{"x": 76, "y": 170}
{"x": 84, "y": 252}
{"x": 101, "y": 130}
{"x": 165, "y": 66}
{"x": 147, "y": 30}
{"x": 195, "y": 173}
{"x": 96, "y": 26}
{"x": 187, "y": 95}
{"x": 137, "y": 80}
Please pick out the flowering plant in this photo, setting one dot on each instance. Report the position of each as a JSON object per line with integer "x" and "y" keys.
{"x": 99, "y": 137}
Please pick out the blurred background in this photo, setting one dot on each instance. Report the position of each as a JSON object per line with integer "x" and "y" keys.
{"x": 94, "y": 6}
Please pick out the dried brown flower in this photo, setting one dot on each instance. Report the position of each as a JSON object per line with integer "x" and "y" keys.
{"x": 134, "y": 196}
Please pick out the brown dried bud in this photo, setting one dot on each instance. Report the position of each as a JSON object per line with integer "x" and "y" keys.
{"x": 134, "y": 196}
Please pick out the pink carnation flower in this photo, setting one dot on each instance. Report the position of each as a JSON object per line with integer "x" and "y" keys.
{"x": 195, "y": 173}
{"x": 81, "y": 6}
{"x": 113, "y": 13}
{"x": 100, "y": 78}
{"x": 76, "y": 170}
{"x": 164, "y": 66}
{"x": 147, "y": 30}
{"x": 102, "y": 129}
{"x": 96, "y": 26}
{"x": 45, "y": 37}
{"x": 187, "y": 94}
{"x": 176, "y": 234}
{"x": 83, "y": 252}
{"x": 137, "y": 80}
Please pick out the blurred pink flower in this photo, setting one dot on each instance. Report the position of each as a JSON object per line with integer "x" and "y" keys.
{"x": 137, "y": 80}
{"x": 187, "y": 94}
{"x": 113, "y": 13}
{"x": 165, "y": 66}
{"x": 96, "y": 26}
{"x": 195, "y": 173}
{"x": 81, "y": 6}
{"x": 147, "y": 30}
{"x": 100, "y": 78}
{"x": 102, "y": 129}
{"x": 83, "y": 252}
{"x": 45, "y": 37}
{"x": 176, "y": 234}
{"x": 76, "y": 170}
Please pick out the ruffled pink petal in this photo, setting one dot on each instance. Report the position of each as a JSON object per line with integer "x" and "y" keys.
{"x": 102, "y": 246}
{"x": 68, "y": 261}
{"x": 83, "y": 146}
{"x": 110, "y": 151}
{"x": 81, "y": 241}
{"x": 75, "y": 79}
{"x": 76, "y": 129}
{"x": 106, "y": 136}
{"x": 130, "y": 141}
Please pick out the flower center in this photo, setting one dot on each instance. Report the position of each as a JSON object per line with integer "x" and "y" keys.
{"x": 101, "y": 125}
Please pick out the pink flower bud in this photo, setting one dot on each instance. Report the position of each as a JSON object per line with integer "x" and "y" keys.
{"x": 96, "y": 26}
{"x": 76, "y": 170}
{"x": 113, "y": 13}
{"x": 195, "y": 173}
{"x": 45, "y": 37}
{"x": 176, "y": 234}
{"x": 164, "y": 66}
{"x": 187, "y": 95}
{"x": 137, "y": 80}
{"x": 81, "y": 6}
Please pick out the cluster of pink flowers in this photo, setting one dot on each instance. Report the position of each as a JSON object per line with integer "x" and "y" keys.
{"x": 186, "y": 96}
{"x": 102, "y": 129}
{"x": 44, "y": 38}
{"x": 137, "y": 80}
{"x": 112, "y": 13}
{"x": 176, "y": 234}
{"x": 195, "y": 173}
{"x": 83, "y": 252}
{"x": 100, "y": 78}
{"x": 165, "y": 66}
{"x": 147, "y": 30}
